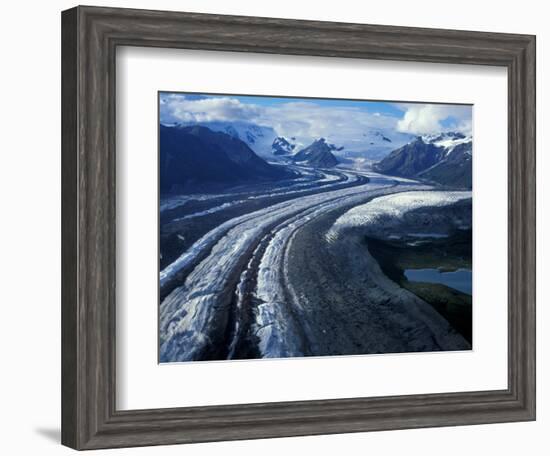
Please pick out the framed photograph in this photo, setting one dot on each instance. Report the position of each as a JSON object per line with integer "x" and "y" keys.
{"x": 280, "y": 228}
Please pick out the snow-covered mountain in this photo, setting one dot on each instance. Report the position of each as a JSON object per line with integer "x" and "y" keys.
{"x": 282, "y": 146}
{"x": 445, "y": 158}
{"x": 455, "y": 167}
{"x": 196, "y": 158}
{"x": 258, "y": 137}
{"x": 448, "y": 140}
{"x": 373, "y": 145}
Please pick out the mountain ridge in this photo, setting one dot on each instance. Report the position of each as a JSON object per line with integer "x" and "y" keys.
{"x": 318, "y": 154}
{"x": 445, "y": 158}
{"x": 196, "y": 157}
{"x": 258, "y": 137}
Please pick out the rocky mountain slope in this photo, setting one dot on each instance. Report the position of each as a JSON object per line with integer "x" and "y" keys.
{"x": 196, "y": 157}
{"x": 282, "y": 146}
{"x": 318, "y": 154}
{"x": 445, "y": 158}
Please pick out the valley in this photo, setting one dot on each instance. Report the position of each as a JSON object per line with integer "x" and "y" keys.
{"x": 270, "y": 247}
{"x": 255, "y": 276}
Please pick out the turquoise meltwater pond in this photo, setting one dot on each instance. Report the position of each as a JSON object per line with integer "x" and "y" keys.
{"x": 460, "y": 279}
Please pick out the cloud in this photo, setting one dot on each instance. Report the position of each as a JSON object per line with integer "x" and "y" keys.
{"x": 433, "y": 118}
{"x": 341, "y": 125}
{"x": 180, "y": 108}
{"x": 304, "y": 120}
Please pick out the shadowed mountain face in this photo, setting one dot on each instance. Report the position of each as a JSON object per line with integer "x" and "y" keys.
{"x": 197, "y": 158}
{"x": 258, "y": 137}
{"x": 318, "y": 154}
{"x": 454, "y": 170}
{"x": 409, "y": 160}
{"x": 445, "y": 159}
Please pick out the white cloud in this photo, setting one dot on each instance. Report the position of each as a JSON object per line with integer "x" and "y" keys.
{"x": 304, "y": 120}
{"x": 178, "y": 108}
{"x": 307, "y": 120}
{"x": 343, "y": 126}
{"x": 433, "y": 118}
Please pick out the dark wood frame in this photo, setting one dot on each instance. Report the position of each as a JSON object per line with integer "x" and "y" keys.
{"x": 90, "y": 36}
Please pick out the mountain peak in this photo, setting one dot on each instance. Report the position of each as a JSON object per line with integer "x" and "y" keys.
{"x": 195, "y": 157}
{"x": 282, "y": 146}
{"x": 444, "y": 158}
{"x": 445, "y": 136}
{"x": 318, "y": 154}
{"x": 258, "y": 137}
{"x": 448, "y": 140}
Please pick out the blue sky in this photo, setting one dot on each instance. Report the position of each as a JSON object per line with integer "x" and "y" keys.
{"x": 341, "y": 120}
{"x": 365, "y": 106}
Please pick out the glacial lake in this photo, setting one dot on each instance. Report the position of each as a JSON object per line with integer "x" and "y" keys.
{"x": 460, "y": 279}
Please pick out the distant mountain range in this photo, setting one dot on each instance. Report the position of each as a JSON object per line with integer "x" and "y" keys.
{"x": 375, "y": 144}
{"x": 372, "y": 145}
{"x": 445, "y": 158}
{"x": 197, "y": 158}
{"x": 224, "y": 153}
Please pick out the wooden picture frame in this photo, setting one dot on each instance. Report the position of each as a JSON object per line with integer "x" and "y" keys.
{"x": 90, "y": 36}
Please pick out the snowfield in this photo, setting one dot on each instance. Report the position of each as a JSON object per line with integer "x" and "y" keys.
{"x": 447, "y": 142}
{"x": 387, "y": 211}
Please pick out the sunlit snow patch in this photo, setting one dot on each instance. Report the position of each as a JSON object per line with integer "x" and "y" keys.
{"x": 387, "y": 211}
